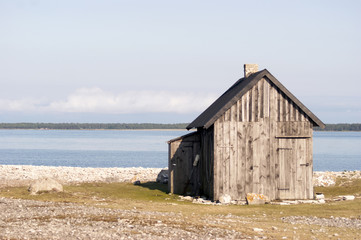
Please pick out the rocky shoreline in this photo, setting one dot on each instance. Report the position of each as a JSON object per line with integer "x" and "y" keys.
{"x": 22, "y": 175}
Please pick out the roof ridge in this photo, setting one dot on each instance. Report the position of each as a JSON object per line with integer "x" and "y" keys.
{"x": 240, "y": 87}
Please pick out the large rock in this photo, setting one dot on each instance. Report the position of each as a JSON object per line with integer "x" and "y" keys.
{"x": 255, "y": 198}
{"x": 45, "y": 184}
{"x": 163, "y": 176}
{"x": 225, "y": 199}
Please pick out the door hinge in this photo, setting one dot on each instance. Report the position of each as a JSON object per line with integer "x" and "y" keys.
{"x": 305, "y": 164}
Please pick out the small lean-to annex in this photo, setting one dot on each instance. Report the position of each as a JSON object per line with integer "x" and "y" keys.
{"x": 255, "y": 138}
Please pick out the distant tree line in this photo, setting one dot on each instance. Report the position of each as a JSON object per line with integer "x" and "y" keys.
{"x": 92, "y": 126}
{"x": 130, "y": 126}
{"x": 341, "y": 127}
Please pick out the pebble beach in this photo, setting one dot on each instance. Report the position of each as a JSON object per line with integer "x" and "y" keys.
{"x": 29, "y": 219}
{"x": 21, "y": 175}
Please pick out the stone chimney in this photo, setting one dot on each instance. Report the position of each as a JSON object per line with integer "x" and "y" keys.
{"x": 249, "y": 69}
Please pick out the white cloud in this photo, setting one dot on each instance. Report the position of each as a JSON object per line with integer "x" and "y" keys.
{"x": 96, "y": 100}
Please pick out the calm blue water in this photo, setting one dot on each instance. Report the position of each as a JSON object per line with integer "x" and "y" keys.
{"x": 82, "y": 148}
{"x": 333, "y": 151}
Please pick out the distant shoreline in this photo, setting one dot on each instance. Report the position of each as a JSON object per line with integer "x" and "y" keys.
{"x": 101, "y": 129}
{"x": 339, "y": 127}
{"x": 94, "y": 126}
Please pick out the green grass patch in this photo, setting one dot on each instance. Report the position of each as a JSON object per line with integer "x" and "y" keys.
{"x": 342, "y": 187}
{"x": 153, "y": 196}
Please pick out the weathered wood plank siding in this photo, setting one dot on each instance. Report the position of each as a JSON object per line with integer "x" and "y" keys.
{"x": 183, "y": 176}
{"x": 263, "y": 144}
{"x": 207, "y": 162}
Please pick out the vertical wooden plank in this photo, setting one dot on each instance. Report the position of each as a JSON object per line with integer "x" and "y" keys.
{"x": 215, "y": 161}
{"x": 266, "y": 98}
{"x": 303, "y": 168}
{"x": 256, "y": 144}
{"x": 265, "y": 158}
{"x": 287, "y": 109}
{"x": 292, "y": 169}
{"x": 221, "y": 155}
{"x": 309, "y": 174}
{"x": 249, "y": 157}
{"x": 281, "y": 167}
{"x": 284, "y": 107}
{"x": 233, "y": 155}
{"x": 234, "y": 112}
{"x": 170, "y": 167}
{"x": 250, "y": 106}
{"x": 299, "y": 115}
{"x": 241, "y": 158}
{"x": 284, "y": 154}
{"x": 280, "y": 106}
{"x": 218, "y": 181}
{"x": 208, "y": 182}
{"x": 255, "y": 112}
{"x": 302, "y": 117}
{"x": 296, "y": 113}
{"x": 243, "y": 101}
{"x": 196, "y": 170}
{"x": 239, "y": 110}
{"x": 261, "y": 99}
{"x": 246, "y": 107}
{"x": 175, "y": 147}
{"x": 226, "y": 152}
{"x": 274, "y": 165}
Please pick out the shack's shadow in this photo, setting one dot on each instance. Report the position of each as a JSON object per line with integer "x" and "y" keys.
{"x": 155, "y": 186}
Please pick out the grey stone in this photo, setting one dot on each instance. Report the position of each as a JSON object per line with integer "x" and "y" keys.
{"x": 225, "y": 199}
{"x": 348, "y": 197}
{"x": 163, "y": 176}
{"x": 319, "y": 196}
{"x": 45, "y": 184}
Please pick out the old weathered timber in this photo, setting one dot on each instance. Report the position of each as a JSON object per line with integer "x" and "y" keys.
{"x": 257, "y": 137}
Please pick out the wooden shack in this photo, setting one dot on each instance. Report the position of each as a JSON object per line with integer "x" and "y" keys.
{"x": 255, "y": 138}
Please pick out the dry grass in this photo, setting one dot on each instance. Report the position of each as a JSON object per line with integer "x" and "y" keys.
{"x": 153, "y": 197}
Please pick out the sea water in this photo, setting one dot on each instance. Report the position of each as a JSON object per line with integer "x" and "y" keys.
{"x": 332, "y": 151}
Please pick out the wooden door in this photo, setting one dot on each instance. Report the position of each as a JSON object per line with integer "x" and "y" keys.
{"x": 285, "y": 161}
{"x": 293, "y": 168}
{"x": 181, "y": 166}
{"x": 184, "y": 172}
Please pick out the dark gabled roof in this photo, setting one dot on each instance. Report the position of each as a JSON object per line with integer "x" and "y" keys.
{"x": 236, "y": 91}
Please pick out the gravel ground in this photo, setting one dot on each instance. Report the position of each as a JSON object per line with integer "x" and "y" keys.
{"x": 27, "y": 219}
{"x": 325, "y": 222}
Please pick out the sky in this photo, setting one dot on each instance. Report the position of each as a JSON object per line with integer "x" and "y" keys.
{"x": 166, "y": 61}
